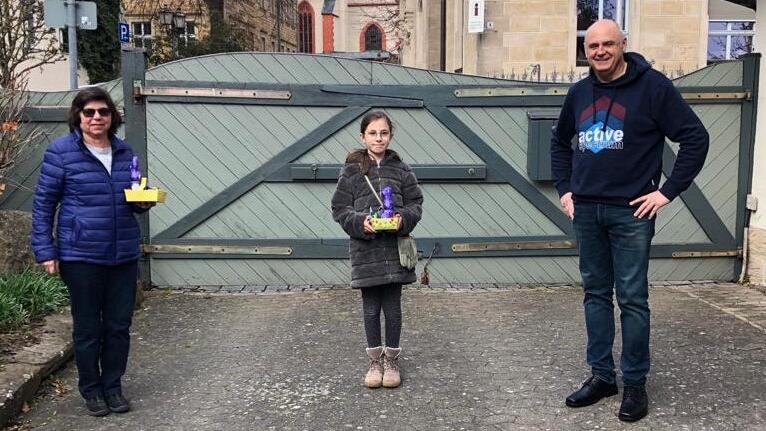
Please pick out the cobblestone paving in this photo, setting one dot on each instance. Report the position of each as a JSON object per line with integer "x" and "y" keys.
{"x": 480, "y": 358}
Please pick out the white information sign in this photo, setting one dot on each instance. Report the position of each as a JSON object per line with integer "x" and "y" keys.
{"x": 476, "y": 16}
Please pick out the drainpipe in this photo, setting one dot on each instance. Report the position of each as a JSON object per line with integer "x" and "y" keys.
{"x": 443, "y": 37}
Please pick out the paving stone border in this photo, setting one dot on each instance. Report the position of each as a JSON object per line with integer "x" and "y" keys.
{"x": 20, "y": 379}
{"x": 279, "y": 288}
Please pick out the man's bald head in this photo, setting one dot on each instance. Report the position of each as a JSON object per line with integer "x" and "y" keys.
{"x": 605, "y": 46}
{"x": 605, "y": 26}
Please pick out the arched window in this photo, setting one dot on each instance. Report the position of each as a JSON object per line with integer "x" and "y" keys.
{"x": 305, "y": 27}
{"x": 373, "y": 38}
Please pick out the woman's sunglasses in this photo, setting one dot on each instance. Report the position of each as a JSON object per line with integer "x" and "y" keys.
{"x": 90, "y": 112}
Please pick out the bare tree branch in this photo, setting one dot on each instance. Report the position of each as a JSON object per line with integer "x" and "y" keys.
{"x": 24, "y": 39}
{"x": 389, "y": 17}
{"x": 17, "y": 138}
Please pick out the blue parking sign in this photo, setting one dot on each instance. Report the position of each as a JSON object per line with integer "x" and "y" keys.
{"x": 124, "y": 32}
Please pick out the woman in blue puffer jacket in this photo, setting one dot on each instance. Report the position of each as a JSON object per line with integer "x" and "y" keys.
{"x": 96, "y": 246}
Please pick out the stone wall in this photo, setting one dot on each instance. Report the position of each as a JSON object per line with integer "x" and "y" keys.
{"x": 15, "y": 250}
{"x": 756, "y": 258}
{"x": 528, "y": 32}
{"x": 418, "y": 28}
{"x": 670, "y": 33}
{"x": 259, "y": 20}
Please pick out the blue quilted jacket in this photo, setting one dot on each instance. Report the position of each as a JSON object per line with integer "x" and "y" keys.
{"x": 95, "y": 224}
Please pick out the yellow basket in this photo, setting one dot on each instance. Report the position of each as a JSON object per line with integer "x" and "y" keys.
{"x": 143, "y": 194}
{"x": 146, "y": 195}
{"x": 384, "y": 224}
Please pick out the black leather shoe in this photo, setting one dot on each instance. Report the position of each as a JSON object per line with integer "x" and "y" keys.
{"x": 591, "y": 392}
{"x": 635, "y": 404}
{"x": 117, "y": 403}
{"x": 96, "y": 406}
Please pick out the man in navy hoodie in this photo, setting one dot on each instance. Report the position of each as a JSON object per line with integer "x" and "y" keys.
{"x": 606, "y": 157}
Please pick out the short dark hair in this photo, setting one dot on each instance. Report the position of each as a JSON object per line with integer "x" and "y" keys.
{"x": 93, "y": 94}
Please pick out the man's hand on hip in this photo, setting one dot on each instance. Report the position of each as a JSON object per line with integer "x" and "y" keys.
{"x": 650, "y": 204}
{"x": 567, "y": 204}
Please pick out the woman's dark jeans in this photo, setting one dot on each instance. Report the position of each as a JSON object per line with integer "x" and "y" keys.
{"x": 102, "y": 300}
{"x": 388, "y": 298}
{"x": 614, "y": 255}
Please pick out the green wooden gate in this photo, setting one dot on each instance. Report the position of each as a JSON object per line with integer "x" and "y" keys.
{"x": 249, "y": 146}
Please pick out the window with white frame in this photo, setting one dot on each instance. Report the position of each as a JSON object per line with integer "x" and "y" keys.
{"x": 142, "y": 34}
{"x": 188, "y": 34}
{"x": 728, "y": 40}
{"x": 590, "y": 11}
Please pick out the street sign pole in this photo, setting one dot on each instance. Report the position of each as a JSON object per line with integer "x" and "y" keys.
{"x": 71, "y": 22}
{"x": 71, "y": 14}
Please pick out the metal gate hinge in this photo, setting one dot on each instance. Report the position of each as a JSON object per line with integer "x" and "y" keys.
{"x": 227, "y": 93}
{"x": 138, "y": 91}
{"x": 717, "y": 253}
{"x": 215, "y": 249}
{"x": 510, "y": 246}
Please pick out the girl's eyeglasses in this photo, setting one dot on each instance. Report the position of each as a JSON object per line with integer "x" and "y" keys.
{"x": 90, "y": 112}
{"x": 383, "y": 134}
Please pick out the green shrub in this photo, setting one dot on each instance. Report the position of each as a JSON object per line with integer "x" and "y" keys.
{"x": 29, "y": 294}
{"x": 12, "y": 315}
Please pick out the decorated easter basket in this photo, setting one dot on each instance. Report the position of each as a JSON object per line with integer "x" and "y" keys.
{"x": 384, "y": 223}
{"x": 138, "y": 191}
{"x": 143, "y": 194}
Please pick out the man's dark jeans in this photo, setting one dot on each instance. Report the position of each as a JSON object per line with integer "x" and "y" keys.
{"x": 614, "y": 254}
{"x": 102, "y": 300}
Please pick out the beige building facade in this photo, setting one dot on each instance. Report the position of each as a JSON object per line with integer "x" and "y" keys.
{"x": 523, "y": 38}
{"x": 256, "y": 18}
{"x": 53, "y": 76}
{"x": 338, "y": 27}
{"x": 147, "y": 31}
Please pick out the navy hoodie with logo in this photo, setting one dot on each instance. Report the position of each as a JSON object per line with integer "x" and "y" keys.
{"x": 608, "y": 143}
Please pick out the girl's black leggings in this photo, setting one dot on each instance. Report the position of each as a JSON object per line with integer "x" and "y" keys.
{"x": 387, "y": 297}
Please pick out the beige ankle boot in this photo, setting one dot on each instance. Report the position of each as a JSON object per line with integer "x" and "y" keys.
{"x": 391, "y": 377}
{"x": 374, "y": 376}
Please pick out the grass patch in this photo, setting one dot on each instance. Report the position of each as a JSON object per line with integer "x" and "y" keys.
{"x": 28, "y": 295}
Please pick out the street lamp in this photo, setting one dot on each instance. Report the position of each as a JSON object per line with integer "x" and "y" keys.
{"x": 166, "y": 16}
{"x": 179, "y": 19}
{"x": 175, "y": 22}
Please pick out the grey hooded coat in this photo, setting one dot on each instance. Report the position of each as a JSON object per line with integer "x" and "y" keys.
{"x": 375, "y": 257}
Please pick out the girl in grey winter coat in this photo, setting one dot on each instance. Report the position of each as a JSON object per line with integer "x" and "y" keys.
{"x": 375, "y": 267}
